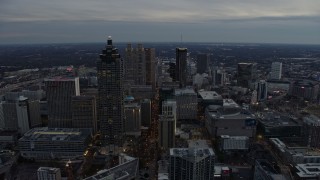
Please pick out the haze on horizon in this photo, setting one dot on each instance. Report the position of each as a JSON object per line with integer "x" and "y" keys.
{"x": 69, "y": 21}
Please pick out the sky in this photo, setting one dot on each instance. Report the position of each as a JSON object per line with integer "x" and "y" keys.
{"x": 244, "y": 21}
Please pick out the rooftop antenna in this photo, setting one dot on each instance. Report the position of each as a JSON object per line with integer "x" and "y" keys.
{"x": 181, "y": 39}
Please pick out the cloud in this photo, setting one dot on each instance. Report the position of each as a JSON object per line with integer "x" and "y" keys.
{"x": 41, "y": 21}
{"x": 153, "y": 11}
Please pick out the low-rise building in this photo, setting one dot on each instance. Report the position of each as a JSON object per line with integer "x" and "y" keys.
{"x": 127, "y": 169}
{"x": 295, "y": 154}
{"x": 54, "y": 143}
{"x": 310, "y": 171}
{"x": 229, "y": 119}
{"x": 273, "y": 125}
{"x": 305, "y": 89}
{"x": 231, "y": 143}
{"x": 265, "y": 171}
{"x": 210, "y": 98}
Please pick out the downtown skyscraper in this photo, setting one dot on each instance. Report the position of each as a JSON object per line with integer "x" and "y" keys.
{"x": 181, "y": 66}
{"x": 110, "y": 92}
{"x": 60, "y": 91}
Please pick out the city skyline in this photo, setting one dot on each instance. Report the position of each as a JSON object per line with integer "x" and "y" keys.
{"x": 161, "y": 21}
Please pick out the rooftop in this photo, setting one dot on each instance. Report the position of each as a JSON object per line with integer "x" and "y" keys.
{"x": 59, "y": 78}
{"x": 235, "y": 137}
{"x": 191, "y": 153}
{"x": 209, "y": 95}
{"x": 49, "y": 169}
{"x": 229, "y": 103}
{"x": 305, "y": 83}
{"x": 277, "y": 119}
{"x": 312, "y": 120}
{"x": 308, "y": 170}
{"x": 56, "y": 134}
{"x": 186, "y": 91}
{"x": 198, "y": 144}
{"x": 127, "y": 168}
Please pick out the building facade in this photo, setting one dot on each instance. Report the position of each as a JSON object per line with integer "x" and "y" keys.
{"x": 146, "y": 112}
{"x": 202, "y": 63}
{"x": 187, "y": 104}
{"x": 135, "y": 64}
{"x": 110, "y": 93}
{"x": 246, "y": 74}
{"x": 306, "y": 89}
{"x": 311, "y": 129}
{"x": 150, "y": 67}
{"x": 84, "y": 113}
{"x": 167, "y": 130}
{"x": 276, "y": 70}
{"x": 132, "y": 118}
{"x": 262, "y": 90}
{"x": 19, "y": 114}
{"x": 60, "y": 91}
{"x": 56, "y": 143}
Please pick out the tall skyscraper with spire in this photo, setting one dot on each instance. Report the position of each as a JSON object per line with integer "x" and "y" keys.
{"x": 110, "y": 90}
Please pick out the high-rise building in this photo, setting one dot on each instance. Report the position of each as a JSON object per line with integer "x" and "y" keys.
{"x": 111, "y": 97}
{"x": 276, "y": 70}
{"x": 146, "y": 112}
{"x": 33, "y": 103}
{"x": 202, "y": 63}
{"x": 305, "y": 89}
{"x": 262, "y": 90}
{"x": 191, "y": 163}
{"x": 84, "y": 113}
{"x": 150, "y": 67}
{"x": 16, "y": 114}
{"x": 219, "y": 77}
{"x": 132, "y": 118}
{"x": 187, "y": 104}
{"x": 46, "y": 173}
{"x": 135, "y": 64}
{"x": 60, "y": 91}
{"x": 181, "y": 66}
{"x": 172, "y": 71}
{"x": 246, "y": 74}
{"x": 167, "y": 131}
{"x": 167, "y": 127}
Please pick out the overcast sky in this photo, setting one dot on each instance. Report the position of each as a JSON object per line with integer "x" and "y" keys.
{"x": 261, "y": 21}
